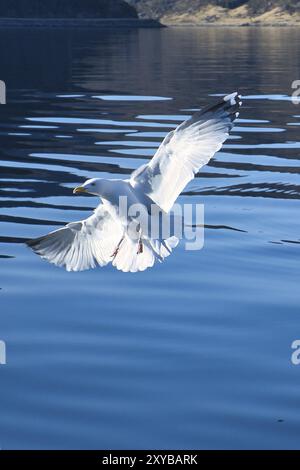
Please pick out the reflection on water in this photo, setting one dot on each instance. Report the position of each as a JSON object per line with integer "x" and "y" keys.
{"x": 194, "y": 353}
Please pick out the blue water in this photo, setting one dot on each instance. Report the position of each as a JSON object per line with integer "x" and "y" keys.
{"x": 196, "y": 352}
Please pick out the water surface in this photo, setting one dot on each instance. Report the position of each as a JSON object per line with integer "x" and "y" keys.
{"x": 194, "y": 353}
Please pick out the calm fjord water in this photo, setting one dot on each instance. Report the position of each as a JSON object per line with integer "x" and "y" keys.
{"x": 194, "y": 353}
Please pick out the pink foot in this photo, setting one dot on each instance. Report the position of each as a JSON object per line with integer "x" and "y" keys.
{"x": 140, "y": 248}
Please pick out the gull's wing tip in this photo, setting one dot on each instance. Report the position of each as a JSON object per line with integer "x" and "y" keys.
{"x": 234, "y": 99}
{"x": 33, "y": 242}
{"x": 30, "y": 242}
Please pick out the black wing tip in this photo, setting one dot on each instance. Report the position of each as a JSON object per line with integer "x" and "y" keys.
{"x": 34, "y": 243}
{"x": 229, "y": 104}
{"x": 226, "y": 107}
{"x": 31, "y": 242}
{"x": 234, "y": 99}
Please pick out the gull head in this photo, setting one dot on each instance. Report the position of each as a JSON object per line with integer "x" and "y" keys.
{"x": 92, "y": 186}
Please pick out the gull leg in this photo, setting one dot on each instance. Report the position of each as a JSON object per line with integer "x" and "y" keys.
{"x": 140, "y": 243}
{"x": 140, "y": 247}
{"x": 118, "y": 248}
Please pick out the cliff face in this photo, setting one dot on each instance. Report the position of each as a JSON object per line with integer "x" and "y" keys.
{"x": 66, "y": 9}
{"x": 220, "y": 11}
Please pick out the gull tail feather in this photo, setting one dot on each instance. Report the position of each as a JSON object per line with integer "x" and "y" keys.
{"x": 130, "y": 259}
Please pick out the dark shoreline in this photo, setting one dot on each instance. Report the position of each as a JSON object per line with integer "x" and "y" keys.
{"x": 78, "y": 23}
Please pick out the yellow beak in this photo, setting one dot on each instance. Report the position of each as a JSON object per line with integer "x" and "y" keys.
{"x": 79, "y": 189}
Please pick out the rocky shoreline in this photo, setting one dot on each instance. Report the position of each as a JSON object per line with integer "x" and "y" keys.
{"x": 238, "y": 17}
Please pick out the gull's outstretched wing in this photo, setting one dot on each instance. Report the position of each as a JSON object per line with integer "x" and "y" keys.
{"x": 184, "y": 151}
{"x": 81, "y": 245}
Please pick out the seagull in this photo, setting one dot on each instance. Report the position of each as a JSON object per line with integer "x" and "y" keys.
{"x": 107, "y": 235}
